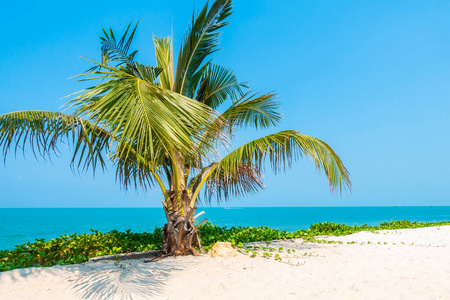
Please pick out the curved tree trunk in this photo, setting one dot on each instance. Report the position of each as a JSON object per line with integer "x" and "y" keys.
{"x": 180, "y": 235}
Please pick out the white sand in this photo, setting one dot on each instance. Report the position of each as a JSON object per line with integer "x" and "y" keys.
{"x": 327, "y": 271}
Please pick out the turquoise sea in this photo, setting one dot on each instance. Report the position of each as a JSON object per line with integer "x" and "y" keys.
{"x": 21, "y": 225}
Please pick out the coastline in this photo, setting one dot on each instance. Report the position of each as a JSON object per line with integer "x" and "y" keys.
{"x": 396, "y": 264}
{"x": 27, "y": 224}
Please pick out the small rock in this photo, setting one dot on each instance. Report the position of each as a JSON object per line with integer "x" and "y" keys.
{"x": 223, "y": 249}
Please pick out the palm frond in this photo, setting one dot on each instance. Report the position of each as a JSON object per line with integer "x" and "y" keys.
{"x": 135, "y": 169}
{"x": 249, "y": 110}
{"x": 284, "y": 148}
{"x": 43, "y": 130}
{"x": 137, "y": 112}
{"x": 252, "y": 110}
{"x": 223, "y": 184}
{"x": 216, "y": 85}
{"x": 201, "y": 40}
{"x": 148, "y": 73}
{"x": 164, "y": 60}
{"x": 116, "y": 51}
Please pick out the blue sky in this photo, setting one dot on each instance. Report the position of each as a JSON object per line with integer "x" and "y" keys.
{"x": 371, "y": 78}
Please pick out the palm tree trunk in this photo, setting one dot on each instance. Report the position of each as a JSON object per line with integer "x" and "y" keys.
{"x": 180, "y": 235}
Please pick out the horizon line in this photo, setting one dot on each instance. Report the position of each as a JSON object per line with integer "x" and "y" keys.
{"x": 340, "y": 206}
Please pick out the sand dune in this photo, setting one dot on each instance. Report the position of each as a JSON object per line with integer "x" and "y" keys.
{"x": 402, "y": 264}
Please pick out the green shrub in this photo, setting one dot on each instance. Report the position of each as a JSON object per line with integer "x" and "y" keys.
{"x": 74, "y": 249}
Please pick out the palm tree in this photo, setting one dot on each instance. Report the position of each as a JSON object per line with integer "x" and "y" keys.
{"x": 159, "y": 126}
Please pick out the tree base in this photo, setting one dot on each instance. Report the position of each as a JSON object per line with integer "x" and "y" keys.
{"x": 180, "y": 235}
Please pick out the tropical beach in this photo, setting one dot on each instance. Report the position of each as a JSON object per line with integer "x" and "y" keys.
{"x": 166, "y": 174}
{"x": 400, "y": 264}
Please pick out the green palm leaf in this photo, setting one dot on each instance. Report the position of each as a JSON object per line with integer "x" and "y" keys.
{"x": 137, "y": 111}
{"x": 164, "y": 60}
{"x": 43, "y": 130}
{"x": 201, "y": 41}
{"x": 118, "y": 51}
{"x": 281, "y": 149}
{"x": 216, "y": 85}
{"x": 222, "y": 183}
{"x": 251, "y": 110}
{"x": 136, "y": 170}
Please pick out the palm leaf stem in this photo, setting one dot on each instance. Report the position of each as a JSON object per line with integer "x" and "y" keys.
{"x": 176, "y": 174}
{"x": 162, "y": 187}
{"x": 199, "y": 187}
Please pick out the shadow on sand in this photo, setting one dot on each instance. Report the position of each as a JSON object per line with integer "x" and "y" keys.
{"x": 129, "y": 279}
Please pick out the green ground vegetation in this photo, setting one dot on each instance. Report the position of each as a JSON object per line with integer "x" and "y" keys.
{"x": 78, "y": 248}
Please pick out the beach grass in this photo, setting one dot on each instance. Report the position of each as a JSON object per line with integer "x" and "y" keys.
{"x": 78, "y": 248}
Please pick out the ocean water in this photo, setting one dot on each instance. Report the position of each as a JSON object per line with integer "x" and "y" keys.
{"x": 21, "y": 225}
